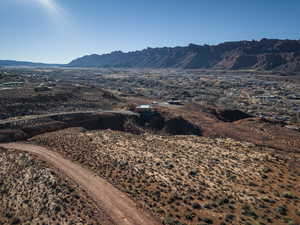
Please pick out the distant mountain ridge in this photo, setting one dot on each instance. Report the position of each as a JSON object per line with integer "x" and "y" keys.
{"x": 23, "y": 63}
{"x": 266, "y": 54}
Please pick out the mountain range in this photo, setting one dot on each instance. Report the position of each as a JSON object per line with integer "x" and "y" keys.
{"x": 266, "y": 54}
{"x": 24, "y": 63}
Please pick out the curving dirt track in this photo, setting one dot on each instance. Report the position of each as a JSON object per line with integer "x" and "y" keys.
{"x": 115, "y": 204}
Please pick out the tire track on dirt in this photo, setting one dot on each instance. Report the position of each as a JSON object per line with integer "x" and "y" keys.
{"x": 115, "y": 204}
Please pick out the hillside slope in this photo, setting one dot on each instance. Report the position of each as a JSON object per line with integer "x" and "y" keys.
{"x": 189, "y": 179}
{"x": 266, "y": 54}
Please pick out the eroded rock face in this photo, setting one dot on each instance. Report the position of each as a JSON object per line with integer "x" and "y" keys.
{"x": 133, "y": 123}
{"x": 26, "y": 128}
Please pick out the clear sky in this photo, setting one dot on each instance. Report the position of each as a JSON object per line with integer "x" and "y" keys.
{"x": 57, "y": 31}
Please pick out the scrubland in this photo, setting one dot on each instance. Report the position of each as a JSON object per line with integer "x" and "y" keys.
{"x": 31, "y": 192}
{"x": 189, "y": 179}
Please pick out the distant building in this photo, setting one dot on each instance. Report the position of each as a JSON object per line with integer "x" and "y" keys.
{"x": 41, "y": 88}
{"x": 144, "y": 107}
{"x": 297, "y": 128}
{"x": 144, "y": 110}
{"x": 175, "y": 102}
{"x": 294, "y": 97}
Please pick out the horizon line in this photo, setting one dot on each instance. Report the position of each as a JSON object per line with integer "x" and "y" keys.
{"x": 145, "y": 48}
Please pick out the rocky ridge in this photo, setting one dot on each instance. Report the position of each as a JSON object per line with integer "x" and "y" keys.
{"x": 266, "y": 54}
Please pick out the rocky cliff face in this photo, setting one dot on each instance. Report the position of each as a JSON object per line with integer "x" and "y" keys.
{"x": 266, "y": 54}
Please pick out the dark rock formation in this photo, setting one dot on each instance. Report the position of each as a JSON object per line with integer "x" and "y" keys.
{"x": 180, "y": 126}
{"x": 230, "y": 115}
{"x": 159, "y": 122}
{"x": 7, "y": 135}
{"x": 129, "y": 122}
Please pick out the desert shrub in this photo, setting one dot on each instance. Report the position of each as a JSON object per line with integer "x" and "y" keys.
{"x": 267, "y": 199}
{"x": 287, "y": 220}
{"x": 190, "y": 216}
{"x": 247, "y": 211}
{"x": 229, "y": 217}
{"x": 196, "y": 205}
{"x": 193, "y": 173}
{"x": 223, "y": 201}
{"x": 266, "y": 170}
{"x": 264, "y": 176}
{"x": 15, "y": 221}
{"x": 170, "y": 221}
{"x": 282, "y": 210}
{"x": 288, "y": 195}
{"x": 207, "y": 221}
{"x": 252, "y": 184}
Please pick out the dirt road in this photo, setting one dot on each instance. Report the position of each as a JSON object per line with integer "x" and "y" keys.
{"x": 115, "y": 204}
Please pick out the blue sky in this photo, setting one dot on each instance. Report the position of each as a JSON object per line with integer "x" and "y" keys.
{"x": 57, "y": 31}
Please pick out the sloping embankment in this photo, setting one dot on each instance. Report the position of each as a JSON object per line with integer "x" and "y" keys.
{"x": 22, "y": 129}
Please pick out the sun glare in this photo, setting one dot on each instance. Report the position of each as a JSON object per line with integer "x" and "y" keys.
{"x": 50, "y": 5}
{"x": 53, "y": 9}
